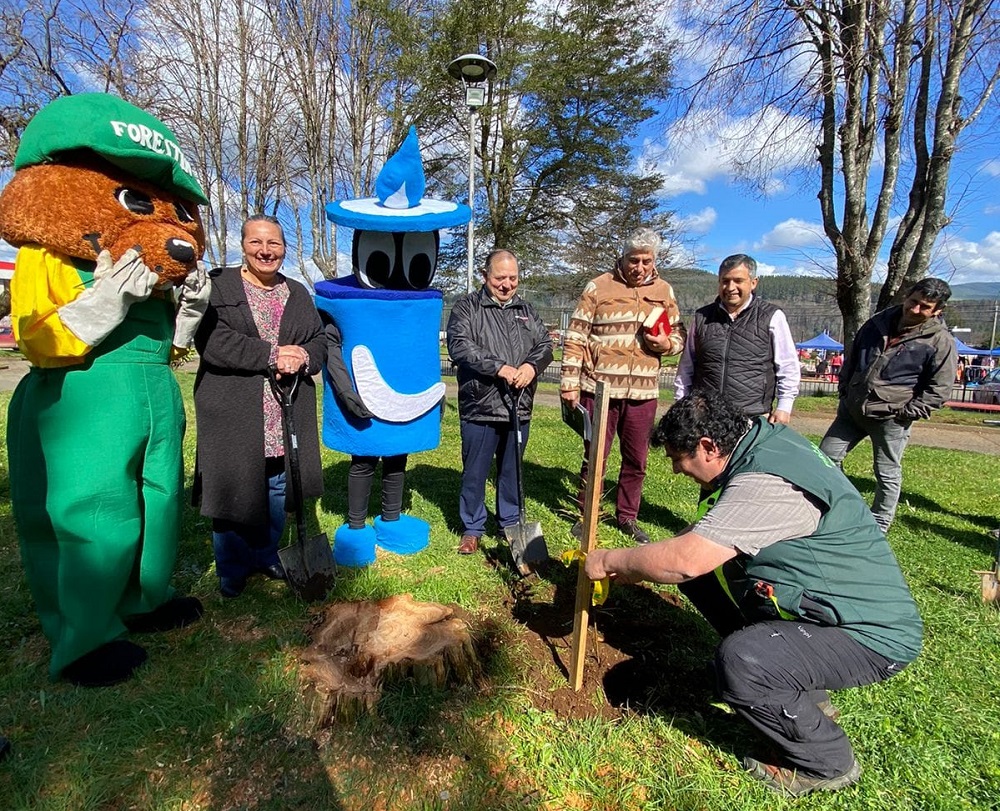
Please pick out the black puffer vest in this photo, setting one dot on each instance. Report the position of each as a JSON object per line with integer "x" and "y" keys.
{"x": 736, "y": 357}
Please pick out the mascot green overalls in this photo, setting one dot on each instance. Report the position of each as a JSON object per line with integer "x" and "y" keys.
{"x": 107, "y": 288}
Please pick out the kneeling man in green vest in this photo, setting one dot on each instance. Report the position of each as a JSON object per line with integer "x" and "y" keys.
{"x": 810, "y": 597}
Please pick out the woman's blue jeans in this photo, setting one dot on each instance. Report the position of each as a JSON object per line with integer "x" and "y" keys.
{"x": 242, "y": 549}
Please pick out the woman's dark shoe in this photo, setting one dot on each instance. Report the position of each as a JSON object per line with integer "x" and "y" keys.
{"x": 232, "y": 586}
{"x": 275, "y": 572}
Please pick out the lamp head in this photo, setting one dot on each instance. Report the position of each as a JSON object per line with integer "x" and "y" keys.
{"x": 472, "y": 69}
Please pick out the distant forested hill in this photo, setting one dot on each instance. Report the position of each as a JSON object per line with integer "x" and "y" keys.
{"x": 979, "y": 291}
{"x": 808, "y": 301}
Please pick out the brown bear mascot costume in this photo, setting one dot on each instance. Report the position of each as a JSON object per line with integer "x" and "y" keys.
{"x": 107, "y": 289}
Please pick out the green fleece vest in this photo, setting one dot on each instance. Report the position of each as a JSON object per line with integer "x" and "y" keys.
{"x": 844, "y": 574}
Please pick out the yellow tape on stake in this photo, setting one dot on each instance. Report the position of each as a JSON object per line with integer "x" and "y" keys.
{"x": 599, "y": 588}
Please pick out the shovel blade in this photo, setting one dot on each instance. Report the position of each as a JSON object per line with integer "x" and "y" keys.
{"x": 527, "y": 545}
{"x": 310, "y": 567}
{"x": 991, "y": 587}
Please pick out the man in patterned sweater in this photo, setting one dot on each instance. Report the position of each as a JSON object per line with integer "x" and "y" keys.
{"x": 607, "y": 341}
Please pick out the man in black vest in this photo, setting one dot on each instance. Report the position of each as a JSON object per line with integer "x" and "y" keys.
{"x": 809, "y": 595}
{"x": 741, "y": 346}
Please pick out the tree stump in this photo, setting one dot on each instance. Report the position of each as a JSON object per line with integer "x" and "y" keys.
{"x": 359, "y": 647}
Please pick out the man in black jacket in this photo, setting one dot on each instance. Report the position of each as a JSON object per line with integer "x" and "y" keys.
{"x": 901, "y": 367}
{"x": 500, "y": 346}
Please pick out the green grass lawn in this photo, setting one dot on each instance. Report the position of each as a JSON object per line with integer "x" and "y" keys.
{"x": 214, "y": 720}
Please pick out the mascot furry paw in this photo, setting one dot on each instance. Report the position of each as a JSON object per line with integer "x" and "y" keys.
{"x": 107, "y": 287}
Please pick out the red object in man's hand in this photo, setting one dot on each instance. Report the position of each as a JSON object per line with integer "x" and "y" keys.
{"x": 657, "y": 322}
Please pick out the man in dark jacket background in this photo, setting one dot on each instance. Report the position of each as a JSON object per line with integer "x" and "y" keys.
{"x": 500, "y": 346}
{"x": 900, "y": 368}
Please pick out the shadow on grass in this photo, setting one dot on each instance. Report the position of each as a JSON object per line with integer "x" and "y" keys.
{"x": 259, "y": 765}
{"x": 978, "y": 541}
{"x": 334, "y": 498}
{"x": 441, "y": 487}
{"x": 668, "y": 672}
{"x": 652, "y": 659}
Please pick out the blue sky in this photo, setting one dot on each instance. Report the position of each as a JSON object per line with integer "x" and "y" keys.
{"x": 707, "y": 154}
{"x": 781, "y": 227}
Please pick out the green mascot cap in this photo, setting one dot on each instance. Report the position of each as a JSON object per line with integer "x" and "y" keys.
{"x": 119, "y": 132}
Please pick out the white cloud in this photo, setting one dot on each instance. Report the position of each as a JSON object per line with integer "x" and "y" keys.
{"x": 961, "y": 260}
{"x": 705, "y": 42}
{"x": 700, "y": 222}
{"x": 684, "y": 256}
{"x": 792, "y": 234}
{"x": 772, "y": 186}
{"x": 992, "y": 167}
{"x": 709, "y": 145}
{"x": 695, "y": 52}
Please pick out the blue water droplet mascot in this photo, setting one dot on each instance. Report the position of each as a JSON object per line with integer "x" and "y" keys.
{"x": 383, "y": 394}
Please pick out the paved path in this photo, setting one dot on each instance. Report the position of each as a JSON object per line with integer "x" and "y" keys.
{"x": 935, "y": 435}
{"x": 981, "y": 439}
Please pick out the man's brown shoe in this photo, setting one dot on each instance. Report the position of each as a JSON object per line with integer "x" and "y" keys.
{"x": 795, "y": 784}
{"x": 469, "y": 545}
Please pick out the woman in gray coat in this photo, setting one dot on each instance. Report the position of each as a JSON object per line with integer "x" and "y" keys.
{"x": 256, "y": 319}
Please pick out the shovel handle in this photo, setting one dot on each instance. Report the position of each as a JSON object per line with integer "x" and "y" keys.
{"x": 285, "y": 395}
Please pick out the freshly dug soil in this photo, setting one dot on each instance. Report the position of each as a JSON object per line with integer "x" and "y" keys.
{"x": 645, "y": 651}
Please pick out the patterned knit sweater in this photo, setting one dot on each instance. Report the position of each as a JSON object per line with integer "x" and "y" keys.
{"x": 604, "y": 340}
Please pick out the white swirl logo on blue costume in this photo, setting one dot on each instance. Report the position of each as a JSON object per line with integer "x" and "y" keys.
{"x": 383, "y": 400}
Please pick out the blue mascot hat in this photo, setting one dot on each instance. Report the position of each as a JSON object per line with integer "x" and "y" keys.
{"x": 400, "y": 205}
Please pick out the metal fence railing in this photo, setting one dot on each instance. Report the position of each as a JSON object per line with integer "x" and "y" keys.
{"x": 809, "y": 386}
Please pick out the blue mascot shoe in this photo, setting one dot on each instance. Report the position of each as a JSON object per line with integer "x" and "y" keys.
{"x": 404, "y": 536}
{"x": 354, "y": 547}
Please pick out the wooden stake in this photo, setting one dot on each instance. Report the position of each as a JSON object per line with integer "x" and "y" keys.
{"x": 591, "y": 515}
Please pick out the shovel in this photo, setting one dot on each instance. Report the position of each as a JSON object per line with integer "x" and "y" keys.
{"x": 527, "y": 546}
{"x": 308, "y": 563}
{"x": 991, "y": 579}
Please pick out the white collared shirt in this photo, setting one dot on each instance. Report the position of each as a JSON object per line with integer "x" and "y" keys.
{"x": 787, "y": 373}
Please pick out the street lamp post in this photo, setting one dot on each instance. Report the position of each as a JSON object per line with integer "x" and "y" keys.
{"x": 475, "y": 72}
{"x": 993, "y": 335}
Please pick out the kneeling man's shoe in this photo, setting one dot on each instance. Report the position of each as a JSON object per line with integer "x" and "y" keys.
{"x": 469, "y": 545}
{"x": 796, "y": 784}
